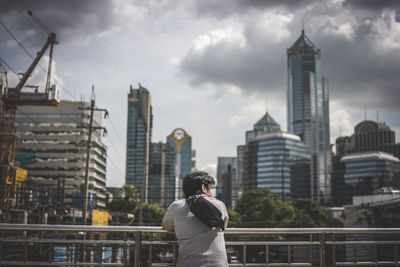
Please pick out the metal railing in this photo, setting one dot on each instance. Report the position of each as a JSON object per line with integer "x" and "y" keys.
{"x": 80, "y": 245}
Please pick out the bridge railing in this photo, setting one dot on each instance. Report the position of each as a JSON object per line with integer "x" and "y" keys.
{"x": 80, "y": 245}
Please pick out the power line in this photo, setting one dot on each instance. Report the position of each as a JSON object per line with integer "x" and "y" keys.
{"x": 116, "y": 132}
{"x": 35, "y": 18}
{"x": 20, "y": 44}
{"x": 9, "y": 67}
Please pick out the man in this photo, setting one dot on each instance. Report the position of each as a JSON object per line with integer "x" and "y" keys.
{"x": 199, "y": 246}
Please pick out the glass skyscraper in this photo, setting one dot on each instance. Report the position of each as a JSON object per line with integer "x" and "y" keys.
{"x": 308, "y": 111}
{"x": 181, "y": 142}
{"x": 268, "y": 156}
{"x": 138, "y": 140}
{"x": 162, "y": 174}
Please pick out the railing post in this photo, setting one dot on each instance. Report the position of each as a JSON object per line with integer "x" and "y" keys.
{"x": 138, "y": 242}
{"x": 100, "y": 252}
{"x": 151, "y": 250}
{"x": 244, "y": 255}
{"x": 334, "y": 250}
{"x": 125, "y": 250}
{"x": 322, "y": 250}
{"x": 26, "y": 250}
{"x": 267, "y": 255}
{"x": 311, "y": 248}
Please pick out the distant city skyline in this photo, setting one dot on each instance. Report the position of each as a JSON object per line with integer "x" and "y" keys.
{"x": 213, "y": 68}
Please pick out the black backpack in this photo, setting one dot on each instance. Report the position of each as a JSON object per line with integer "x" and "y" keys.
{"x": 206, "y": 212}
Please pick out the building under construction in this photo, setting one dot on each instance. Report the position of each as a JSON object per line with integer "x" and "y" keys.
{"x": 56, "y": 139}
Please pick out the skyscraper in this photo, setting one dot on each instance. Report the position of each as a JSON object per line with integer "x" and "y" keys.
{"x": 138, "y": 140}
{"x": 181, "y": 142}
{"x": 162, "y": 174}
{"x": 226, "y": 175}
{"x": 308, "y": 111}
{"x": 267, "y": 157}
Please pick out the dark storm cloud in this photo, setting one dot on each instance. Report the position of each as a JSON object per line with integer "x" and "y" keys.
{"x": 372, "y": 4}
{"x": 359, "y": 55}
{"x": 73, "y": 20}
{"x": 250, "y": 68}
{"x": 224, "y": 8}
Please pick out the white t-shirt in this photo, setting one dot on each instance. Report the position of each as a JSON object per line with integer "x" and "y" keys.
{"x": 198, "y": 245}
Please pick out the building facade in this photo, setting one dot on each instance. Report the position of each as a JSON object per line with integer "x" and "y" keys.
{"x": 267, "y": 158}
{"x": 226, "y": 174}
{"x": 138, "y": 141}
{"x": 369, "y": 136}
{"x": 56, "y": 139}
{"x": 364, "y": 173}
{"x": 308, "y": 111}
{"x": 270, "y": 158}
{"x": 181, "y": 143}
{"x": 162, "y": 174}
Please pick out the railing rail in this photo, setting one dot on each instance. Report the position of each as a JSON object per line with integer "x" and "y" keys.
{"x": 82, "y": 245}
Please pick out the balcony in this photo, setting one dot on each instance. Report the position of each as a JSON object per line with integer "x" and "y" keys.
{"x": 79, "y": 245}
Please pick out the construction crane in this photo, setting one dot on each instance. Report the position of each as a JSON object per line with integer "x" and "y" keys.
{"x": 11, "y": 98}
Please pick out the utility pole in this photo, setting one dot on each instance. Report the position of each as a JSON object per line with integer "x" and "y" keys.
{"x": 92, "y": 108}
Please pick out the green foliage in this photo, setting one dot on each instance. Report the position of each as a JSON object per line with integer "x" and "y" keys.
{"x": 126, "y": 201}
{"x": 152, "y": 214}
{"x": 262, "y": 208}
{"x": 234, "y": 219}
{"x": 310, "y": 214}
{"x": 123, "y": 205}
{"x": 128, "y": 191}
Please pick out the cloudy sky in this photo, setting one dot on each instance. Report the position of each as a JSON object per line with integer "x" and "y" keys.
{"x": 212, "y": 67}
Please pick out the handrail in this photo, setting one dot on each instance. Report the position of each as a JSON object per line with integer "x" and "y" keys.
{"x": 304, "y": 246}
{"x": 156, "y": 229}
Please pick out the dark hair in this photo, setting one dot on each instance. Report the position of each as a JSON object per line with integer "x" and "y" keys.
{"x": 193, "y": 181}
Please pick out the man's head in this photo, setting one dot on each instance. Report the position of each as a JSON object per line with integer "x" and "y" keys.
{"x": 197, "y": 182}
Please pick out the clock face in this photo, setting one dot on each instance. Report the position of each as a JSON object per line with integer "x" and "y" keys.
{"x": 179, "y": 134}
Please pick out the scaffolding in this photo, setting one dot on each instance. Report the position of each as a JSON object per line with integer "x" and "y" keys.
{"x": 11, "y": 98}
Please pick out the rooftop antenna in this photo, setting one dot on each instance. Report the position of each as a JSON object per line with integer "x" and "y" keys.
{"x": 377, "y": 116}
{"x": 92, "y": 97}
{"x": 302, "y": 26}
{"x": 365, "y": 112}
{"x": 340, "y": 131}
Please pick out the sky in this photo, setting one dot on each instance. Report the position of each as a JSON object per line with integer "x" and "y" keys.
{"x": 212, "y": 67}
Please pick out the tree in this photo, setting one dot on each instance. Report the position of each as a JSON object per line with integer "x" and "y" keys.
{"x": 126, "y": 200}
{"x": 152, "y": 214}
{"x": 234, "y": 219}
{"x": 309, "y": 213}
{"x": 261, "y": 208}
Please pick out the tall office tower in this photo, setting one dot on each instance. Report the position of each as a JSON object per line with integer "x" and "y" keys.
{"x": 226, "y": 174}
{"x": 308, "y": 111}
{"x": 238, "y": 181}
{"x": 162, "y": 174}
{"x": 267, "y": 157}
{"x": 181, "y": 142}
{"x": 140, "y": 120}
{"x": 55, "y": 139}
{"x": 369, "y": 136}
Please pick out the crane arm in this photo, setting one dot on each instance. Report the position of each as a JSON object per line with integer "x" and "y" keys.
{"x": 50, "y": 41}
